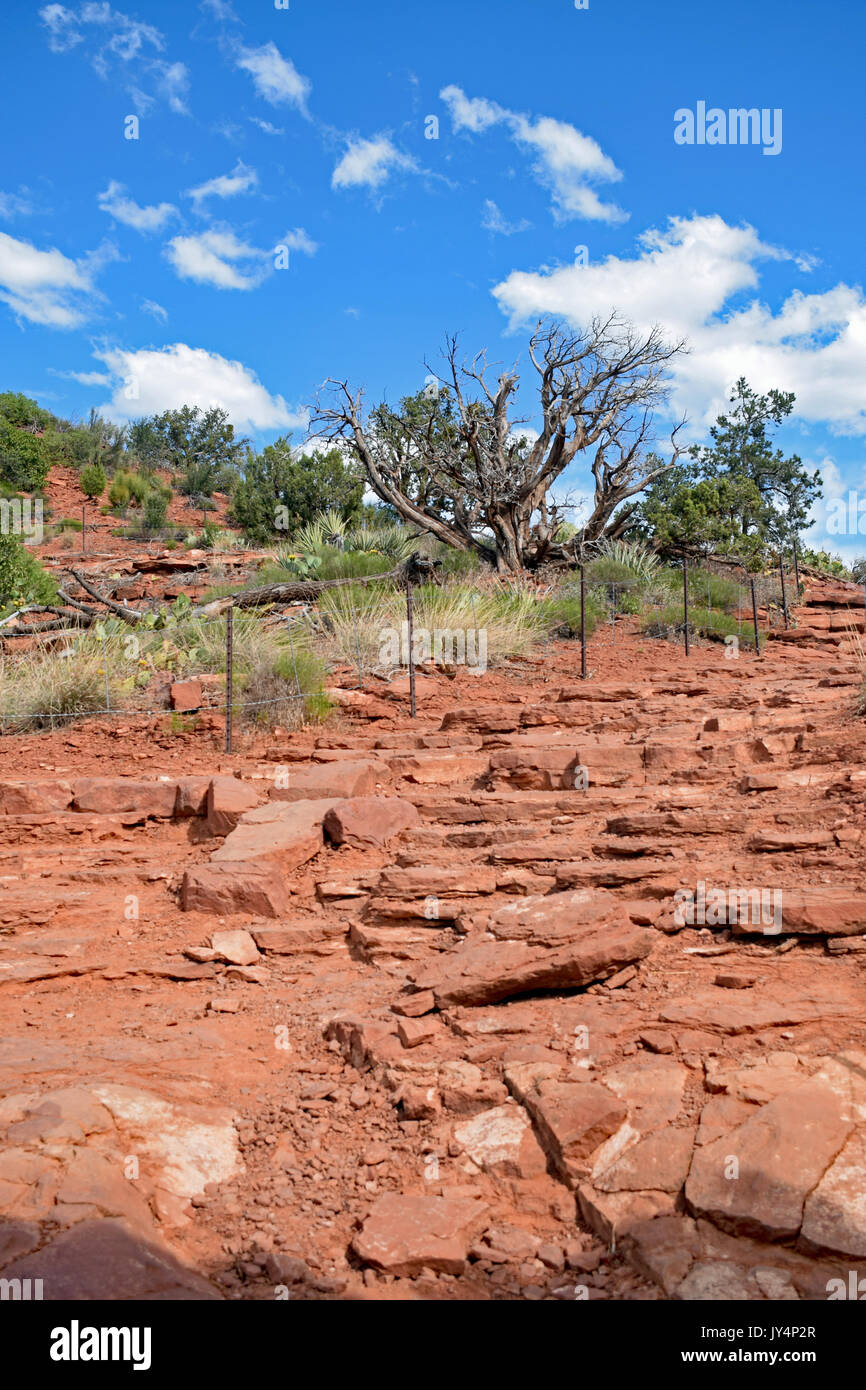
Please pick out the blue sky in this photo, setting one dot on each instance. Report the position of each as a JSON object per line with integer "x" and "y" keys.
{"x": 138, "y": 273}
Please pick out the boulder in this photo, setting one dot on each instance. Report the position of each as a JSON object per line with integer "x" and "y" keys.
{"x": 312, "y": 781}
{"x": 227, "y": 800}
{"x": 289, "y": 833}
{"x": 404, "y": 1235}
{"x": 502, "y": 1143}
{"x": 492, "y": 970}
{"x": 185, "y": 695}
{"x": 260, "y": 890}
{"x": 369, "y": 821}
{"x": 756, "y": 1179}
{"x": 124, "y": 796}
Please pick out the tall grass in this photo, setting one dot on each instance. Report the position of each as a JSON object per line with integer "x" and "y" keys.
{"x": 278, "y": 678}
{"x": 355, "y": 625}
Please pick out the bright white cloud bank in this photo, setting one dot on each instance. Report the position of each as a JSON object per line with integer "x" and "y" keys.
{"x": 684, "y": 277}
{"x": 151, "y": 380}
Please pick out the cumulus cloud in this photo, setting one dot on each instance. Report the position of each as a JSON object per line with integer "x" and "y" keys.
{"x": 131, "y": 214}
{"x": 151, "y": 380}
{"x": 217, "y": 257}
{"x": 565, "y": 161}
{"x": 369, "y": 163}
{"x": 115, "y": 42}
{"x": 44, "y": 286}
{"x": 275, "y": 78}
{"x": 684, "y": 278}
{"x": 240, "y": 180}
{"x": 149, "y": 306}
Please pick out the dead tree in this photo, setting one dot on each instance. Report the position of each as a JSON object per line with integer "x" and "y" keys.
{"x": 486, "y": 479}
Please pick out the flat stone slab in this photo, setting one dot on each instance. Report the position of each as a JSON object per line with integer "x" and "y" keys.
{"x": 494, "y": 970}
{"x": 403, "y": 1235}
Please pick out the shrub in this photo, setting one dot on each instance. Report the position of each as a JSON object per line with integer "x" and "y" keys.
{"x": 24, "y": 459}
{"x": 93, "y": 480}
{"x": 22, "y": 578}
{"x": 155, "y": 512}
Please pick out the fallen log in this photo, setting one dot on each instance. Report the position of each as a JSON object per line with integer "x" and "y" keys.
{"x": 303, "y": 590}
{"x": 129, "y": 615}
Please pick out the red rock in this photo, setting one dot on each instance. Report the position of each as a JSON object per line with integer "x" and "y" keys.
{"x": 257, "y": 889}
{"x": 191, "y": 797}
{"x": 295, "y": 938}
{"x": 34, "y": 798}
{"x": 658, "y": 1163}
{"x": 103, "y": 1260}
{"x": 573, "y": 1118}
{"x": 289, "y": 833}
{"x": 122, "y": 795}
{"x": 236, "y": 947}
{"x": 501, "y": 1142}
{"x": 314, "y": 781}
{"x": 781, "y": 1154}
{"x": 494, "y": 970}
{"x": 403, "y": 1235}
{"x": 227, "y": 800}
{"x": 185, "y": 695}
{"x": 439, "y": 769}
{"x": 412, "y": 1032}
{"x": 554, "y": 917}
{"x": 370, "y": 820}
{"x": 434, "y": 881}
{"x": 415, "y": 1005}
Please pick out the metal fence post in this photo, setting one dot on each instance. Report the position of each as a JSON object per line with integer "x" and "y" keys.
{"x": 686, "y": 601}
{"x": 583, "y": 622}
{"x": 230, "y": 654}
{"x": 411, "y": 631}
{"x": 755, "y": 619}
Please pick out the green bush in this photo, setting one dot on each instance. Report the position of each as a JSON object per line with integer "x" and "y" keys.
{"x": 22, "y": 578}
{"x": 24, "y": 458}
{"x": 93, "y": 480}
{"x": 155, "y": 513}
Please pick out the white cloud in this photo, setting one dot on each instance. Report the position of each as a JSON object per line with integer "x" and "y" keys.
{"x": 684, "y": 279}
{"x": 213, "y": 258}
{"x": 240, "y": 180}
{"x": 368, "y": 163}
{"x": 172, "y": 84}
{"x": 43, "y": 286}
{"x": 494, "y": 221}
{"x": 267, "y": 127}
{"x": 84, "y": 378}
{"x": 276, "y": 79}
{"x": 220, "y": 9}
{"x": 15, "y": 204}
{"x": 566, "y": 161}
{"x": 113, "y": 40}
{"x": 298, "y": 240}
{"x": 131, "y": 214}
{"x": 151, "y": 380}
{"x": 149, "y": 306}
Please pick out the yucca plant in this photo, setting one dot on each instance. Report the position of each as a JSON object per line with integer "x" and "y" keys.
{"x": 634, "y": 556}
